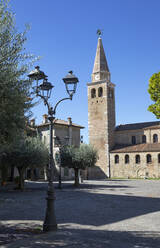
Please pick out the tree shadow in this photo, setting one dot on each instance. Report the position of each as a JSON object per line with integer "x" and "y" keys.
{"x": 102, "y": 209}
{"x": 11, "y": 232}
{"x": 81, "y": 206}
{"x": 86, "y": 208}
{"x": 71, "y": 238}
{"x": 88, "y": 185}
{"x": 31, "y": 186}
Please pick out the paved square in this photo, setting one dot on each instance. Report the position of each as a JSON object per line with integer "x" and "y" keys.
{"x": 99, "y": 214}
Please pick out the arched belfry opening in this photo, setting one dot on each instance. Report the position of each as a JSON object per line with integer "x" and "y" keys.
{"x": 100, "y": 92}
{"x": 93, "y": 93}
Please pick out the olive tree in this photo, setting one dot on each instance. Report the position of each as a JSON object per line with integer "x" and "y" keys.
{"x": 29, "y": 152}
{"x": 15, "y": 94}
{"x": 4, "y": 164}
{"x": 78, "y": 158}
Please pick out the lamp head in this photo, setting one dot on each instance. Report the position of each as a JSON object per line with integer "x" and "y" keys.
{"x": 70, "y": 81}
{"x": 36, "y": 74}
{"x": 45, "y": 88}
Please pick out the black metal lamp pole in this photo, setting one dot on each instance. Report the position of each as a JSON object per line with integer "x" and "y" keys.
{"x": 44, "y": 92}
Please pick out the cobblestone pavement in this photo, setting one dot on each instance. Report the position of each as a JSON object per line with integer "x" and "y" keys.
{"x": 99, "y": 214}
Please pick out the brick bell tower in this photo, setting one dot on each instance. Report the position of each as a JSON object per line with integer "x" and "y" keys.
{"x": 101, "y": 113}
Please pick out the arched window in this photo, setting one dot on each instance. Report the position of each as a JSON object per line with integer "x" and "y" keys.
{"x": 159, "y": 158}
{"x": 143, "y": 139}
{"x": 93, "y": 93}
{"x": 100, "y": 91}
{"x": 116, "y": 159}
{"x": 155, "y": 138}
{"x": 137, "y": 159}
{"x": 127, "y": 159}
{"x": 149, "y": 158}
{"x": 133, "y": 140}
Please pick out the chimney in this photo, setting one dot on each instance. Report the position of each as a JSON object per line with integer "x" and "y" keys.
{"x": 69, "y": 121}
{"x": 45, "y": 118}
{"x": 32, "y": 122}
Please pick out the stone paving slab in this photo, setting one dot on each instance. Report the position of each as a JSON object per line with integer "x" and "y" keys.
{"x": 116, "y": 214}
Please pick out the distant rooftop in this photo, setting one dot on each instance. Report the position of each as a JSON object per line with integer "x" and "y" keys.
{"x": 142, "y": 125}
{"x": 60, "y": 122}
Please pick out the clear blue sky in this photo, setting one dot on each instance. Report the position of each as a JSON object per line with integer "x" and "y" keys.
{"x": 63, "y": 32}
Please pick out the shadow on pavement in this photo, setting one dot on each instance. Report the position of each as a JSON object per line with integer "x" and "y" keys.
{"x": 77, "y": 206}
{"x": 83, "y": 238}
{"x": 87, "y": 208}
{"x": 101, "y": 209}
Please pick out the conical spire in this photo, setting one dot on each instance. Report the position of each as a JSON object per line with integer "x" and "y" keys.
{"x": 100, "y": 68}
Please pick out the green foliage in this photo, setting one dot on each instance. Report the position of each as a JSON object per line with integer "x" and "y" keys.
{"x": 80, "y": 158}
{"x": 15, "y": 99}
{"x": 154, "y": 91}
{"x": 29, "y": 152}
{"x": 66, "y": 154}
{"x": 4, "y": 152}
{"x": 87, "y": 156}
{"x": 25, "y": 153}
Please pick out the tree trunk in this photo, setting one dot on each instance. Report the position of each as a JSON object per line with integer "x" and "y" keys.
{"x": 45, "y": 173}
{"x": 76, "y": 183}
{"x": 21, "y": 178}
{"x": 81, "y": 176}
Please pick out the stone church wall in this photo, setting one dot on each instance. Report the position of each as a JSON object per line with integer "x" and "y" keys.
{"x": 125, "y": 137}
{"x": 133, "y": 169}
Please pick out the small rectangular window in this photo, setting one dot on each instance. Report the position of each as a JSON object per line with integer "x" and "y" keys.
{"x": 133, "y": 140}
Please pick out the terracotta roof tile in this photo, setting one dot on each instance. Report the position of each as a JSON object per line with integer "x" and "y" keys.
{"x": 151, "y": 147}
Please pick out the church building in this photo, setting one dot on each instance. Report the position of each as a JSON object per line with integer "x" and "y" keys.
{"x": 125, "y": 151}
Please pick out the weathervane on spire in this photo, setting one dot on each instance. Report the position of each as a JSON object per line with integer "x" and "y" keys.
{"x": 99, "y": 32}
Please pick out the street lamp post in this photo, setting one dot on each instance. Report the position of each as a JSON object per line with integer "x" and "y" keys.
{"x": 43, "y": 91}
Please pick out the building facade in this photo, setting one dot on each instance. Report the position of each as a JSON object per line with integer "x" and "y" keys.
{"x": 128, "y": 151}
{"x": 64, "y": 133}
